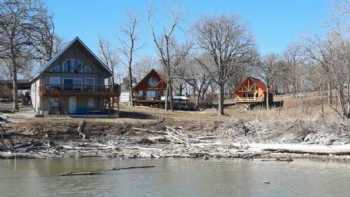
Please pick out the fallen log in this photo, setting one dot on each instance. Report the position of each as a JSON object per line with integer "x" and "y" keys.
{"x": 10, "y": 155}
{"x": 281, "y": 159}
{"x": 149, "y": 131}
{"x": 302, "y": 149}
{"x": 81, "y": 128}
{"x": 79, "y": 173}
{"x": 101, "y": 172}
{"x": 132, "y": 167}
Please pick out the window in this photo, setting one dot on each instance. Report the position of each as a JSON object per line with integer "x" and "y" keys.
{"x": 77, "y": 84}
{"x": 153, "y": 82}
{"x": 72, "y": 84}
{"x": 77, "y": 66}
{"x": 151, "y": 94}
{"x": 54, "y": 82}
{"x": 72, "y": 66}
{"x": 68, "y": 84}
{"x": 67, "y": 66}
{"x": 140, "y": 93}
{"x": 87, "y": 69}
{"x": 89, "y": 83}
{"x": 55, "y": 69}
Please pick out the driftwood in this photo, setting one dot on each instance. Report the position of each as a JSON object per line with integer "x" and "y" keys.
{"x": 282, "y": 159}
{"x": 81, "y": 129}
{"x": 132, "y": 167}
{"x": 10, "y": 155}
{"x": 149, "y": 131}
{"x": 79, "y": 173}
{"x": 101, "y": 172}
{"x": 306, "y": 152}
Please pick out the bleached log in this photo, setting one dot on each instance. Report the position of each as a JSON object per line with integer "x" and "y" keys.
{"x": 302, "y": 149}
{"x": 11, "y": 155}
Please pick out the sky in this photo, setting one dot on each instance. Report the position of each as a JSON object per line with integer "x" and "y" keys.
{"x": 274, "y": 23}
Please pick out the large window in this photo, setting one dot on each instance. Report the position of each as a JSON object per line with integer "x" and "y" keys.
{"x": 72, "y": 66}
{"x": 54, "y": 82}
{"x": 67, "y": 66}
{"x": 55, "y": 69}
{"x": 89, "y": 84}
{"x": 68, "y": 84}
{"x": 153, "y": 82}
{"x": 87, "y": 69}
{"x": 72, "y": 84}
{"x": 151, "y": 94}
{"x": 77, "y": 84}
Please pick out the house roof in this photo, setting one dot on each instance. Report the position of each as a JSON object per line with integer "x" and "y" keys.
{"x": 69, "y": 45}
{"x": 255, "y": 80}
{"x": 153, "y": 71}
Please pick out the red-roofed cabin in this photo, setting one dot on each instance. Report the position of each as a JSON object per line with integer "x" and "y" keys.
{"x": 250, "y": 90}
{"x": 150, "y": 89}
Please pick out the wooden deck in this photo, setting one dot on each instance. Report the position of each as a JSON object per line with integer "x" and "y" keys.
{"x": 248, "y": 99}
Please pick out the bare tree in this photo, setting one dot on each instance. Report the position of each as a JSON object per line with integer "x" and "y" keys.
{"x": 294, "y": 60}
{"x": 332, "y": 55}
{"x": 228, "y": 44}
{"x": 196, "y": 77}
{"x": 272, "y": 70}
{"x": 129, "y": 46}
{"x": 47, "y": 43}
{"x": 109, "y": 56}
{"x": 171, "y": 54}
{"x": 143, "y": 67}
{"x": 19, "y": 32}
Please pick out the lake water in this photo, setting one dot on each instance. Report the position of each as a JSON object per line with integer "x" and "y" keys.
{"x": 174, "y": 178}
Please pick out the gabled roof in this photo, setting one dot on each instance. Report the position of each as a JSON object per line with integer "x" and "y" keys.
{"x": 255, "y": 80}
{"x": 153, "y": 71}
{"x": 69, "y": 45}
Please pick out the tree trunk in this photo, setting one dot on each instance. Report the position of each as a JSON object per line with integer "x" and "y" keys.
{"x": 267, "y": 98}
{"x": 330, "y": 102}
{"x": 180, "y": 89}
{"x": 221, "y": 100}
{"x": 322, "y": 104}
{"x": 131, "y": 102}
{"x": 171, "y": 96}
{"x": 198, "y": 99}
{"x": 14, "y": 88}
{"x": 342, "y": 102}
{"x": 166, "y": 97}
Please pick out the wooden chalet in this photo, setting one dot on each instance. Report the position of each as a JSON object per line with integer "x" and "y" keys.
{"x": 250, "y": 90}
{"x": 150, "y": 89}
{"x": 75, "y": 81}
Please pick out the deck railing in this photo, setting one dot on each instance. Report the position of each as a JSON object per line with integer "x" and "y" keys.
{"x": 57, "y": 90}
{"x": 248, "y": 99}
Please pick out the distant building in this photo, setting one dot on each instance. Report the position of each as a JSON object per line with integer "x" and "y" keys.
{"x": 75, "y": 81}
{"x": 150, "y": 89}
{"x": 124, "y": 86}
{"x": 250, "y": 90}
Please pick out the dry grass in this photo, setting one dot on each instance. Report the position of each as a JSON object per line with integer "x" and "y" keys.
{"x": 308, "y": 108}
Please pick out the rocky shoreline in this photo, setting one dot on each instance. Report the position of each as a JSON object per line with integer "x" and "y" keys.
{"x": 233, "y": 139}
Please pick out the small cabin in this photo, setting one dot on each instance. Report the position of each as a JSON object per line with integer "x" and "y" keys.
{"x": 150, "y": 89}
{"x": 250, "y": 90}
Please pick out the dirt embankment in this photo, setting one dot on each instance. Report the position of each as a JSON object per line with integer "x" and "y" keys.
{"x": 51, "y": 138}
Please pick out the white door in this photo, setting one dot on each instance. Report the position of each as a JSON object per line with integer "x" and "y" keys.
{"x": 72, "y": 104}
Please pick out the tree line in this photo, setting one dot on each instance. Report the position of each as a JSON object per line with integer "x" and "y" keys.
{"x": 218, "y": 53}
